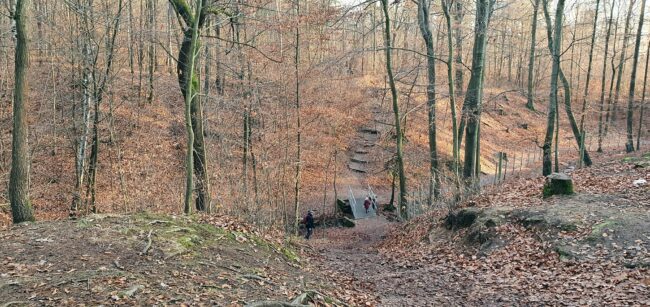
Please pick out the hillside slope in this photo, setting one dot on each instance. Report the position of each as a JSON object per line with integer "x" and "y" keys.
{"x": 153, "y": 259}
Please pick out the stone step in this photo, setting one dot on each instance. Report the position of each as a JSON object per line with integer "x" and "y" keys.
{"x": 368, "y": 130}
{"x": 359, "y": 160}
{"x": 358, "y": 167}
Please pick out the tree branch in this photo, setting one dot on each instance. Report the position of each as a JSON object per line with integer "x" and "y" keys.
{"x": 246, "y": 45}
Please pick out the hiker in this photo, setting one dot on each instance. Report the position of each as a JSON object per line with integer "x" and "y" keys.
{"x": 366, "y": 204}
{"x": 374, "y": 204}
{"x": 309, "y": 223}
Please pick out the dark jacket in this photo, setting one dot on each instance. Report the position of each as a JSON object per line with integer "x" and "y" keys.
{"x": 309, "y": 220}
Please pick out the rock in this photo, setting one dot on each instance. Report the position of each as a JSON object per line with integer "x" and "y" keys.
{"x": 642, "y": 164}
{"x": 132, "y": 291}
{"x": 565, "y": 253}
{"x": 305, "y": 298}
{"x": 463, "y": 219}
{"x": 639, "y": 182}
{"x": 344, "y": 206}
{"x": 558, "y": 184}
{"x": 347, "y": 222}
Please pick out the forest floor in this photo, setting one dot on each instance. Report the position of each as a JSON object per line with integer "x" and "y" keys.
{"x": 591, "y": 248}
{"x": 148, "y": 259}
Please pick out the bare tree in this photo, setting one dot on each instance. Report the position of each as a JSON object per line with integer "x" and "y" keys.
{"x": 555, "y": 45}
{"x": 427, "y": 37}
{"x": 586, "y": 89}
{"x": 645, "y": 83}
{"x": 531, "y": 58}
{"x": 190, "y": 88}
{"x": 629, "y": 146}
{"x": 446, "y": 7}
{"x": 474, "y": 94}
{"x": 21, "y": 207}
{"x": 398, "y": 130}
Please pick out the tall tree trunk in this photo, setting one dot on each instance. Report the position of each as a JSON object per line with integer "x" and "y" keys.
{"x": 447, "y": 6}
{"x": 87, "y": 83}
{"x": 603, "y": 80}
{"x": 629, "y": 147}
{"x": 566, "y": 85}
{"x": 458, "y": 33}
{"x": 531, "y": 59}
{"x": 98, "y": 96}
{"x": 298, "y": 122}
{"x": 189, "y": 83}
{"x": 474, "y": 94}
{"x": 612, "y": 80}
{"x": 586, "y": 89}
{"x": 21, "y": 207}
{"x": 151, "y": 54}
{"x": 398, "y": 131}
{"x": 621, "y": 64}
{"x": 556, "y": 49}
{"x": 423, "y": 22}
{"x": 645, "y": 83}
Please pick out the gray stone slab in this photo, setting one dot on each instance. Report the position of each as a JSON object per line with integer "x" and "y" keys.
{"x": 359, "y": 158}
{"x": 357, "y": 167}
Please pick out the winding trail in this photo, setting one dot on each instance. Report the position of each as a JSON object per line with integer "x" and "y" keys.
{"x": 353, "y": 252}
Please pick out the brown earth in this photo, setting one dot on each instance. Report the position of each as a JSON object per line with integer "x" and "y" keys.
{"x": 587, "y": 249}
{"x": 154, "y": 260}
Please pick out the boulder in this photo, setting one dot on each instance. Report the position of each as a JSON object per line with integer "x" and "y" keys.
{"x": 347, "y": 222}
{"x": 558, "y": 184}
{"x": 462, "y": 219}
{"x": 344, "y": 206}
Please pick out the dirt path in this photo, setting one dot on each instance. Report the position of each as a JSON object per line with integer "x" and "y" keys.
{"x": 353, "y": 252}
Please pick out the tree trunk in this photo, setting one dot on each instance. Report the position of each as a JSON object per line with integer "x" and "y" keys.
{"x": 298, "y": 123}
{"x": 423, "y": 22}
{"x": 621, "y": 64}
{"x": 398, "y": 131}
{"x": 629, "y": 147}
{"x": 612, "y": 80}
{"x": 645, "y": 83}
{"x": 21, "y": 207}
{"x": 151, "y": 54}
{"x": 554, "y": 44}
{"x": 565, "y": 83}
{"x": 446, "y": 6}
{"x": 531, "y": 59}
{"x": 190, "y": 88}
{"x": 474, "y": 94}
{"x": 98, "y": 97}
{"x": 586, "y": 159}
{"x": 603, "y": 80}
{"x": 458, "y": 33}
{"x": 586, "y": 89}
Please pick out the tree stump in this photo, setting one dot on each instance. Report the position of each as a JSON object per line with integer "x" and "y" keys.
{"x": 558, "y": 184}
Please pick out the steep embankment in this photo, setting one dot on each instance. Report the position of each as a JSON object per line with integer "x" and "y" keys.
{"x": 153, "y": 259}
